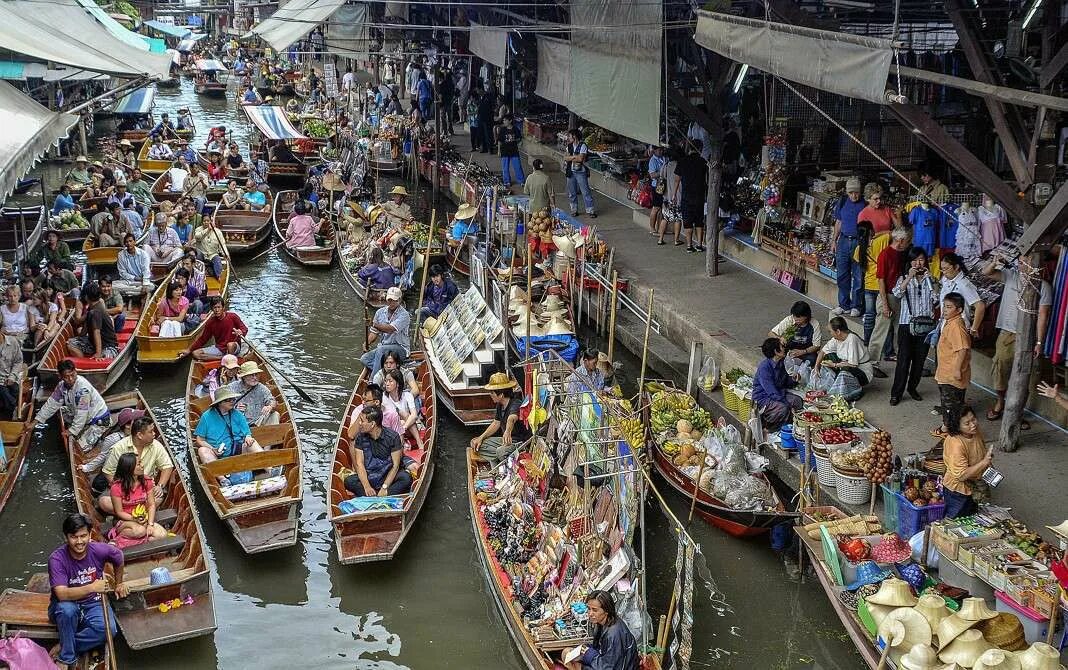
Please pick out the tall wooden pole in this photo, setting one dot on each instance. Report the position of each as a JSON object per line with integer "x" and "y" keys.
{"x": 612, "y": 318}
{"x": 645, "y": 343}
{"x": 426, "y": 270}
{"x": 1029, "y": 281}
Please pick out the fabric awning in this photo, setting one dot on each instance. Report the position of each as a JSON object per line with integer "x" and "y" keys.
{"x": 850, "y": 65}
{"x": 554, "y": 70}
{"x": 168, "y": 29}
{"x": 65, "y": 32}
{"x": 29, "y": 129}
{"x": 186, "y": 46}
{"x": 272, "y": 122}
{"x": 293, "y": 21}
{"x": 119, "y": 31}
{"x": 21, "y": 71}
{"x": 346, "y": 31}
{"x": 136, "y": 102}
{"x": 489, "y": 43}
{"x": 67, "y": 74}
{"x": 208, "y": 65}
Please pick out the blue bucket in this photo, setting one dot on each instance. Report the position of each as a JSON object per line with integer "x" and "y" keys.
{"x": 801, "y": 453}
{"x": 786, "y": 437}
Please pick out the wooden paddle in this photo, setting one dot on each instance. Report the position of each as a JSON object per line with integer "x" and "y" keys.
{"x": 310, "y": 397}
{"x": 266, "y": 251}
{"x": 113, "y": 662}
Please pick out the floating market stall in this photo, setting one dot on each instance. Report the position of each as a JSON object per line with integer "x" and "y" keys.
{"x": 207, "y": 80}
{"x": 273, "y": 130}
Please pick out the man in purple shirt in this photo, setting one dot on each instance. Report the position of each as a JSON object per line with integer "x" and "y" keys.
{"x": 76, "y": 576}
{"x": 850, "y": 277}
{"x": 770, "y": 384}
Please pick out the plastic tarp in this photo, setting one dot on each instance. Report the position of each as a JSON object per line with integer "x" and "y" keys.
{"x": 272, "y": 122}
{"x": 208, "y": 65}
{"x": 616, "y": 66}
{"x": 29, "y": 129}
{"x": 554, "y": 70}
{"x": 121, "y": 32}
{"x": 136, "y": 102}
{"x": 65, "y": 32}
{"x": 293, "y": 21}
{"x": 21, "y": 71}
{"x": 489, "y": 43}
{"x": 346, "y": 31}
{"x": 849, "y": 65}
{"x": 186, "y": 46}
{"x": 168, "y": 29}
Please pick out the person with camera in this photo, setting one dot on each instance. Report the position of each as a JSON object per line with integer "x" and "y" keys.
{"x": 966, "y": 457}
{"x": 916, "y": 291}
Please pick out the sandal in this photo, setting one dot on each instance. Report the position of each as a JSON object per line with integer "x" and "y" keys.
{"x": 993, "y": 415}
{"x": 660, "y": 243}
{"x": 678, "y": 244}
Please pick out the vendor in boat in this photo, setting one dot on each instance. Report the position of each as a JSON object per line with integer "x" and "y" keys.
{"x": 185, "y": 119}
{"x": 463, "y": 224}
{"x": 439, "y": 292}
{"x": 53, "y": 249}
{"x": 388, "y": 331}
{"x": 79, "y": 176}
{"x": 225, "y": 328}
{"x": 301, "y": 228}
{"x": 126, "y": 153}
{"x": 507, "y": 432}
{"x": 64, "y": 201}
{"x": 85, "y": 414}
{"x": 164, "y": 129}
{"x": 613, "y": 646}
{"x": 378, "y": 274}
{"x": 770, "y": 386}
{"x": 279, "y": 152}
{"x": 223, "y": 432}
{"x": 163, "y": 244}
{"x": 398, "y": 211}
{"x": 800, "y": 333}
{"x": 153, "y": 457}
{"x": 254, "y": 399}
{"x": 134, "y": 268}
{"x": 76, "y": 577}
{"x": 966, "y": 457}
{"x": 210, "y": 246}
{"x": 220, "y": 377}
{"x": 845, "y": 353}
{"x": 376, "y": 454}
{"x": 160, "y": 151}
{"x": 587, "y": 377}
{"x": 250, "y": 97}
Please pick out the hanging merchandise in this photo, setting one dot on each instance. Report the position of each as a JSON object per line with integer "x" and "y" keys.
{"x": 924, "y": 220}
{"x": 992, "y": 220}
{"x": 969, "y": 245}
{"x": 948, "y": 227}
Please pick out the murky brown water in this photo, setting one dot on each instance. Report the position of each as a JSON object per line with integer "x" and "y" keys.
{"x": 428, "y": 608}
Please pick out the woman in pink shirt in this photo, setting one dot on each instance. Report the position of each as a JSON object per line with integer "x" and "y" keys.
{"x": 301, "y": 228}
{"x": 883, "y": 218}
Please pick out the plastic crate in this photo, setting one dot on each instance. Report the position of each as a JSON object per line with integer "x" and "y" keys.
{"x": 912, "y": 519}
{"x": 889, "y": 509}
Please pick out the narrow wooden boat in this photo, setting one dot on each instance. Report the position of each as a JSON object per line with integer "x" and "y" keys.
{"x": 101, "y": 256}
{"x": 376, "y": 534}
{"x": 739, "y": 523}
{"x": 181, "y": 553}
{"x": 244, "y": 230}
{"x": 37, "y": 352}
{"x": 471, "y": 405}
{"x": 140, "y": 134}
{"x": 102, "y": 373}
{"x": 21, "y": 229}
{"x": 372, "y": 298}
{"x": 259, "y": 523}
{"x": 206, "y": 83}
{"x": 458, "y": 257}
{"x": 155, "y": 349}
{"x": 151, "y": 166}
{"x": 316, "y": 256}
{"x": 161, "y": 187}
{"x": 15, "y": 448}
{"x": 24, "y": 612}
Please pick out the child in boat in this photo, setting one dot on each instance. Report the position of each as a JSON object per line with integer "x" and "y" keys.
{"x": 134, "y": 504}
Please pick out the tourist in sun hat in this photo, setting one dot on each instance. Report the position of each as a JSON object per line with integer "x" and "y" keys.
{"x": 507, "y": 432}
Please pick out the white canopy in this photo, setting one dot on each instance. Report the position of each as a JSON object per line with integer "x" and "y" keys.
{"x": 65, "y": 32}
{"x": 489, "y": 43}
{"x": 29, "y": 129}
{"x": 554, "y": 70}
{"x": 293, "y": 21}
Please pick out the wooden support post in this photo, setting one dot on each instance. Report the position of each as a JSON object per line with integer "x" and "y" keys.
{"x": 645, "y": 343}
{"x": 81, "y": 135}
{"x": 612, "y": 318}
{"x": 1023, "y": 357}
{"x": 697, "y": 355}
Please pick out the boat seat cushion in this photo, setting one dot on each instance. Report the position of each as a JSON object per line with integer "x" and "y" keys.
{"x": 91, "y": 363}
{"x": 416, "y": 455}
{"x": 129, "y": 326}
{"x": 123, "y": 337}
{"x": 254, "y": 489}
{"x": 172, "y": 544}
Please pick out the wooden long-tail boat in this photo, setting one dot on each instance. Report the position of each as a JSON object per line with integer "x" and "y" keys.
{"x": 24, "y": 612}
{"x": 96, "y": 256}
{"x": 16, "y": 442}
{"x": 21, "y": 229}
{"x": 181, "y": 553}
{"x": 161, "y": 187}
{"x": 244, "y": 230}
{"x": 151, "y": 166}
{"x": 315, "y": 256}
{"x": 101, "y": 373}
{"x": 206, "y": 81}
{"x": 264, "y": 522}
{"x": 375, "y": 535}
{"x": 37, "y": 351}
{"x": 155, "y": 349}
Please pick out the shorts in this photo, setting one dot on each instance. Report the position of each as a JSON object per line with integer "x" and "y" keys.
{"x": 1001, "y": 364}
{"x": 693, "y": 215}
{"x": 657, "y": 199}
{"x": 83, "y": 344}
{"x": 951, "y": 399}
{"x": 214, "y": 352}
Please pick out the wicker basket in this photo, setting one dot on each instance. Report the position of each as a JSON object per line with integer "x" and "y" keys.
{"x": 825, "y": 471}
{"x": 853, "y": 489}
{"x": 730, "y": 398}
{"x": 745, "y": 408}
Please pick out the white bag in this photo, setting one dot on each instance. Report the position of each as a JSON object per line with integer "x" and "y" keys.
{"x": 170, "y": 329}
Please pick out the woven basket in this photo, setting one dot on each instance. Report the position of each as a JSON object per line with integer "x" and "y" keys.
{"x": 824, "y": 471}
{"x": 745, "y": 408}
{"x": 853, "y": 489}
{"x": 730, "y": 398}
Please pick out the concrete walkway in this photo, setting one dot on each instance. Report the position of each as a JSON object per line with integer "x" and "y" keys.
{"x": 731, "y": 314}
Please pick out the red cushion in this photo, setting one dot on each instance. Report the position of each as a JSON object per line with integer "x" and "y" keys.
{"x": 129, "y": 326}
{"x": 123, "y": 337}
{"x": 91, "y": 363}
{"x": 415, "y": 454}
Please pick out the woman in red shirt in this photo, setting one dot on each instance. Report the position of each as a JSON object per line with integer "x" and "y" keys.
{"x": 883, "y": 218}
{"x": 216, "y": 168}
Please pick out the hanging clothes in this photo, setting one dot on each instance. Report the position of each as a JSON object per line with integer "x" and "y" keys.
{"x": 991, "y": 226}
{"x": 969, "y": 244}
{"x": 925, "y": 224}
{"x": 947, "y": 230}
{"x": 1054, "y": 336}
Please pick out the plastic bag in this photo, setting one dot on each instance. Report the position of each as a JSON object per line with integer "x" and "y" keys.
{"x": 846, "y": 385}
{"x": 793, "y": 365}
{"x": 749, "y": 493}
{"x": 821, "y": 380}
{"x": 25, "y": 654}
{"x": 708, "y": 380}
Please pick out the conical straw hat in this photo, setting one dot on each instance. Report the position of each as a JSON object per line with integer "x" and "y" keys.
{"x": 920, "y": 657}
{"x": 1039, "y": 656}
{"x": 559, "y": 327}
{"x": 894, "y": 592}
{"x": 975, "y": 609}
{"x": 966, "y": 649}
{"x": 914, "y": 630}
{"x": 997, "y": 659}
{"x": 517, "y": 294}
{"x": 1060, "y": 529}
{"x": 933, "y": 608}
{"x": 950, "y": 628}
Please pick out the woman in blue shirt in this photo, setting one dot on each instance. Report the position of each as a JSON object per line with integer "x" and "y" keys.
{"x": 222, "y": 432}
{"x": 183, "y": 227}
{"x": 64, "y": 201}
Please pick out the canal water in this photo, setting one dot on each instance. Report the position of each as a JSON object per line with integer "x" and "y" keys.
{"x": 430, "y": 607}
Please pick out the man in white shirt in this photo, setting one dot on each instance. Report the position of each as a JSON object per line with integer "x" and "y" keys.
{"x": 134, "y": 268}
{"x": 347, "y": 80}
{"x": 178, "y": 174}
{"x": 845, "y": 353}
{"x": 160, "y": 151}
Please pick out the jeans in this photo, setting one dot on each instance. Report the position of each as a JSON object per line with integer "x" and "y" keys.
{"x": 880, "y": 343}
{"x": 81, "y": 627}
{"x": 120, "y": 321}
{"x": 214, "y": 265}
{"x": 373, "y": 358}
{"x": 850, "y": 276}
{"x": 512, "y": 170}
{"x": 402, "y": 484}
{"x": 911, "y": 354}
{"x": 476, "y": 138}
{"x": 201, "y": 203}
{"x": 958, "y": 504}
{"x": 425, "y": 107}
{"x": 579, "y": 181}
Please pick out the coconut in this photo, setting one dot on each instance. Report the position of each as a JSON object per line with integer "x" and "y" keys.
{"x": 683, "y": 426}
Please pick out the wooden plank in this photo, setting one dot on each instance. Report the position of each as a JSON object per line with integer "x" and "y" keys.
{"x": 270, "y": 435}
{"x": 1013, "y": 96}
{"x": 1053, "y": 68}
{"x": 1049, "y": 223}
{"x": 260, "y": 460}
{"x": 957, "y": 155}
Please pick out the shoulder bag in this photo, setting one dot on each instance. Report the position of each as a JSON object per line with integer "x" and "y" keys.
{"x": 919, "y": 326}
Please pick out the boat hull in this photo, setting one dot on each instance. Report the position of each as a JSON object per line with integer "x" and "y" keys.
{"x": 243, "y": 230}
{"x": 314, "y": 257}
{"x": 102, "y": 379}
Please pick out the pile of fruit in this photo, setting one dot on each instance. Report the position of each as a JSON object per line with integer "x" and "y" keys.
{"x": 836, "y": 436}
{"x": 317, "y": 128}
{"x": 600, "y": 140}
{"x": 851, "y": 460}
{"x": 922, "y": 497}
{"x": 542, "y": 222}
{"x": 1027, "y": 541}
{"x": 733, "y": 375}
{"x": 845, "y": 415}
{"x": 69, "y": 220}
{"x": 633, "y": 431}
{"x": 669, "y": 408}
{"x": 880, "y": 459}
{"x": 684, "y": 449}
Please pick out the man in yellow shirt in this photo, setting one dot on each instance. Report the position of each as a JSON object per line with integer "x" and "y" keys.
{"x": 155, "y": 460}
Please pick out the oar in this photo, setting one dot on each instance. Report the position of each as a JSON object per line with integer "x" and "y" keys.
{"x": 296, "y": 387}
{"x": 113, "y": 662}
{"x": 266, "y": 251}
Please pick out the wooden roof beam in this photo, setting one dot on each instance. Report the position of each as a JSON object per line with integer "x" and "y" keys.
{"x": 1053, "y": 68}
{"x": 1049, "y": 224}
{"x": 958, "y": 156}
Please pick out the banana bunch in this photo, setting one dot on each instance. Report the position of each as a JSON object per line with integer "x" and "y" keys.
{"x": 633, "y": 431}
